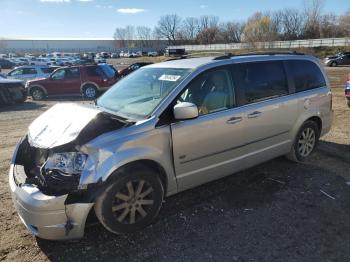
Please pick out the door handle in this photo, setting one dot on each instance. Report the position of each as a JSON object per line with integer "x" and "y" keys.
{"x": 255, "y": 114}
{"x": 234, "y": 120}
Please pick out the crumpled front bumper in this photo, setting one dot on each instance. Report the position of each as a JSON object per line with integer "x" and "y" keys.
{"x": 47, "y": 216}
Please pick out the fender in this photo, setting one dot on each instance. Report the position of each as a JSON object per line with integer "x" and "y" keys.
{"x": 88, "y": 83}
{"x": 152, "y": 146}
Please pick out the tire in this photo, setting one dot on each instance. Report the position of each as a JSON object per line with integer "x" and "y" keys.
{"x": 37, "y": 93}
{"x": 90, "y": 92}
{"x": 130, "y": 213}
{"x": 334, "y": 64}
{"x": 304, "y": 144}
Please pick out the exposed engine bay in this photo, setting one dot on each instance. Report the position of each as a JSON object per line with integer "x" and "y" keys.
{"x": 56, "y": 169}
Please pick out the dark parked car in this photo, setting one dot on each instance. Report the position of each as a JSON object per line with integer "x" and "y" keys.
{"x": 12, "y": 91}
{"x": 131, "y": 68}
{"x": 338, "y": 59}
{"x": 6, "y": 64}
{"x": 88, "y": 80}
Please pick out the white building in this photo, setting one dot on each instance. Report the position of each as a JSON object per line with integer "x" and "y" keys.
{"x": 75, "y": 45}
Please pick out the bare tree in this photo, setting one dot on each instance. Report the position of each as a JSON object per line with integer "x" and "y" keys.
{"x": 120, "y": 35}
{"x": 329, "y": 26}
{"x": 168, "y": 27}
{"x": 231, "y": 32}
{"x": 312, "y": 12}
{"x": 209, "y": 36}
{"x": 208, "y": 21}
{"x": 344, "y": 23}
{"x": 190, "y": 28}
{"x": 125, "y": 35}
{"x": 143, "y": 34}
{"x": 291, "y": 24}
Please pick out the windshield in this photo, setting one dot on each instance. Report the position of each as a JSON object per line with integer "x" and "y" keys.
{"x": 137, "y": 95}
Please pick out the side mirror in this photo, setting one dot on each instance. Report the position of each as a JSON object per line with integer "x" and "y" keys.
{"x": 185, "y": 110}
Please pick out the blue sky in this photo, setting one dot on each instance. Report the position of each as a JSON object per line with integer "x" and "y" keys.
{"x": 98, "y": 18}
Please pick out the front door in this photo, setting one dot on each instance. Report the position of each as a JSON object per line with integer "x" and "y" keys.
{"x": 64, "y": 81}
{"x": 209, "y": 147}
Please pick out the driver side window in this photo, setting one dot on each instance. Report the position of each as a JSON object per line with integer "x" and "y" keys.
{"x": 211, "y": 91}
{"x": 59, "y": 75}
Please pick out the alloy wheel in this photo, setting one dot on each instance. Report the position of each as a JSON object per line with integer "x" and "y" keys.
{"x": 90, "y": 92}
{"x": 306, "y": 142}
{"x": 133, "y": 201}
{"x": 37, "y": 94}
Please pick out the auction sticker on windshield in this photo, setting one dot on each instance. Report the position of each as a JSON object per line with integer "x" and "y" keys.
{"x": 172, "y": 78}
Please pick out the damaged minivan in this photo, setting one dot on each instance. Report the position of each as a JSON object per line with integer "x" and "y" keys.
{"x": 163, "y": 129}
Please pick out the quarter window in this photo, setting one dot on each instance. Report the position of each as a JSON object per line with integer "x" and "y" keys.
{"x": 211, "y": 91}
{"x": 306, "y": 74}
{"x": 261, "y": 80}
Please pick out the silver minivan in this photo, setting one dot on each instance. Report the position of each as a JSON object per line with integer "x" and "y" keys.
{"x": 27, "y": 73}
{"x": 165, "y": 128}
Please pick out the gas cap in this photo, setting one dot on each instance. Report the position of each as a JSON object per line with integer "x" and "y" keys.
{"x": 307, "y": 103}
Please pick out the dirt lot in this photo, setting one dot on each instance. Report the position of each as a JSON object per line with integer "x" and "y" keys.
{"x": 273, "y": 212}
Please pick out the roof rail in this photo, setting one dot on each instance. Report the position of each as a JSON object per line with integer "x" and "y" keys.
{"x": 229, "y": 55}
{"x": 225, "y": 56}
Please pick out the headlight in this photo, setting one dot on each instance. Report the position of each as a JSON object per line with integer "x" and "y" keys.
{"x": 67, "y": 162}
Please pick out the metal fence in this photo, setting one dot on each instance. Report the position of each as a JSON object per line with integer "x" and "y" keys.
{"x": 330, "y": 42}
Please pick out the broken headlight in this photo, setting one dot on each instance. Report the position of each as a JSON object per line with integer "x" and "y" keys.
{"x": 67, "y": 162}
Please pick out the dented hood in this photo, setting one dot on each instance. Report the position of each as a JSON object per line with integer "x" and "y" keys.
{"x": 60, "y": 124}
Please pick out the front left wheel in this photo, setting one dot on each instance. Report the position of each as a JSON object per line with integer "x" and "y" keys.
{"x": 131, "y": 201}
{"x": 37, "y": 93}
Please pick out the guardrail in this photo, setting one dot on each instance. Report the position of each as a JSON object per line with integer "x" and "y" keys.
{"x": 330, "y": 42}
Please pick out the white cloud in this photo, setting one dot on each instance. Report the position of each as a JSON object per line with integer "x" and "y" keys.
{"x": 85, "y": 0}
{"x": 55, "y": 1}
{"x": 130, "y": 10}
{"x": 203, "y": 6}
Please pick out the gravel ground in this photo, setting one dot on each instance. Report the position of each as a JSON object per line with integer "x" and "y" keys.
{"x": 277, "y": 211}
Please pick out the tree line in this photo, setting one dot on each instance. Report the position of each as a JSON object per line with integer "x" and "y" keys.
{"x": 309, "y": 22}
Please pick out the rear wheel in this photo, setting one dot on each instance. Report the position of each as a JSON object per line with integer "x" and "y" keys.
{"x": 90, "y": 91}
{"x": 131, "y": 201}
{"x": 305, "y": 142}
{"x": 37, "y": 93}
{"x": 348, "y": 102}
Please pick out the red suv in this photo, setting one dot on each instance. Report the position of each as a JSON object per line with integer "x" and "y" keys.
{"x": 88, "y": 80}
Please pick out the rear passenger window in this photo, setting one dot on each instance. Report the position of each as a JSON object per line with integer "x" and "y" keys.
{"x": 29, "y": 71}
{"x": 306, "y": 74}
{"x": 262, "y": 80}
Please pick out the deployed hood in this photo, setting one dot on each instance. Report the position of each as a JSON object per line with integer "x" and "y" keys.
{"x": 70, "y": 123}
{"x": 10, "y": 81}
